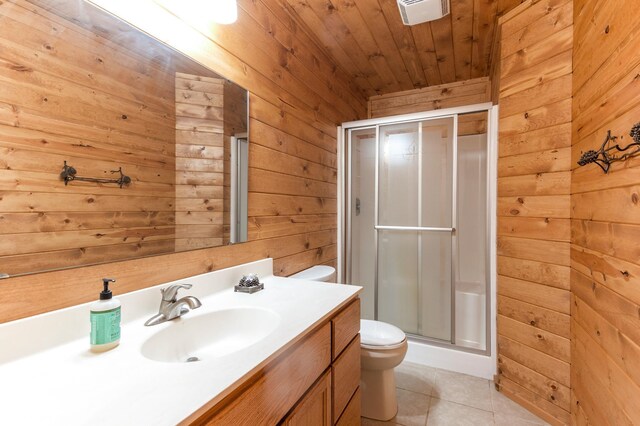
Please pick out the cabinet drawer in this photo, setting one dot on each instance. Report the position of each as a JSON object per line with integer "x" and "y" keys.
{"x": 267, "y": 397}
{"x": 351, "y": 414}
{"x": 345, "y": 326}
{"x": 346, "y": 377}
{"x": 315, "y": 408}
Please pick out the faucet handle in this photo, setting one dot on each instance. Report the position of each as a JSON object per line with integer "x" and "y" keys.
{"x": 169, "y": 293}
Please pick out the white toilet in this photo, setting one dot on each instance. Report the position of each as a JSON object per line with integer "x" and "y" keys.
{"x": 317, "y": 273}
{"x": 382, "y": 348}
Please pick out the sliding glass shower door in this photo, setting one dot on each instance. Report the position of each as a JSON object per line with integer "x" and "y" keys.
{"x": 414, "y": 225}
{"x": 417, "y": 224}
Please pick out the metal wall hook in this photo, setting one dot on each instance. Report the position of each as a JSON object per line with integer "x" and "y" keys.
{"x": 605, "y": 156}
{"x": 69, "y": 173}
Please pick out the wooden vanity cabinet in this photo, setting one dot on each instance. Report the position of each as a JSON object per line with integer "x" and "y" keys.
{"x": 346, "y": 377}
{"x": 345, "y": 325}
{"x": 314, "y": 409}
{"x": 313, "y": 383}
{"x": 351, "y": 415}
{"x": 345, "y": 366}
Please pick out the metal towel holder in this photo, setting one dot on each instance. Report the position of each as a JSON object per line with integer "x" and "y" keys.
{"x": 69, "y": 173}
{"x": 605, "y": 156}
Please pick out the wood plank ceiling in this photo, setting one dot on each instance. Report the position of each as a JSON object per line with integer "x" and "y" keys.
{"x": 369, "y": 41}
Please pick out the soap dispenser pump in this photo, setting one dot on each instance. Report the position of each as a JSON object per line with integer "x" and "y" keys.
{"x": 105, "y": 320}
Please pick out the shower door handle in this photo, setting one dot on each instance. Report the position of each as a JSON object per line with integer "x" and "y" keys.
{"x": 413, "y": 228}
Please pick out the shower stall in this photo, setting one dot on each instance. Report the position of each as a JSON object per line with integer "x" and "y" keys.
{"x": 416, "y": 230}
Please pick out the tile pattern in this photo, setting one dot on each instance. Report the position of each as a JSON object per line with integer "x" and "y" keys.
{"x": 433, "y": 397}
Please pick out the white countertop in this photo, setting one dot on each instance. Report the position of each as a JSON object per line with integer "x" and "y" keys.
{"x": 49, "y": 376}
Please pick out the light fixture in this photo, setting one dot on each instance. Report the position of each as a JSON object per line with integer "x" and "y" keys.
{"x": 203, "y": 11}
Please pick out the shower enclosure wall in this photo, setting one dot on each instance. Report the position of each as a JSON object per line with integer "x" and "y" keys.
{"x": 415, "y": 225}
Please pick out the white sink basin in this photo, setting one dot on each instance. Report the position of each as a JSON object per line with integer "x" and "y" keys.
{"x": 211, "y": 335}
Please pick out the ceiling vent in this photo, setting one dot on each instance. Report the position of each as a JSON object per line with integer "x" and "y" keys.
{"x": 418, "y": 11}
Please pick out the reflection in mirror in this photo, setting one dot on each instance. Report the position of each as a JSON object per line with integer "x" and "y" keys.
{"x": 239, "y": 190}
{"x": 79, "y": 86}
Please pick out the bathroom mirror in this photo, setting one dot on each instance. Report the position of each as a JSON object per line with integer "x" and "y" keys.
{"x": 113, "y": 145}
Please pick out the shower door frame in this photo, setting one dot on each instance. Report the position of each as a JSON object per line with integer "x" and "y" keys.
{"x": 344, "y": 212}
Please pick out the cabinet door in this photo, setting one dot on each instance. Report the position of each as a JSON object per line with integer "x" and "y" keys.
{"x": 351, "y": 415}
{"x": 269, "y": 395}
{"x": 346, "y": 376}
{"x": 315, "y": 408}
{"x": 344, "y": 327}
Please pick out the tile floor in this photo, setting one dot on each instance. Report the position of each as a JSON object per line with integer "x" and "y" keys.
{"x": 433, "y": 397}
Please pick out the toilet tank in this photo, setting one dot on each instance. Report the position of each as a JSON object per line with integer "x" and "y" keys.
{"x": 317, "y": 273}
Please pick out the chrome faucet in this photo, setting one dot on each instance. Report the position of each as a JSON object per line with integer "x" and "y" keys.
{"x": 170, "y": 307}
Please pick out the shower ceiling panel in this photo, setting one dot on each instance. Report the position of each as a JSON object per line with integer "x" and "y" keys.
{"x": 368, "y": 40}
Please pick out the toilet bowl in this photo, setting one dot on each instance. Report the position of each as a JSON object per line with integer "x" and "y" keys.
{"x": 383, "y": 347}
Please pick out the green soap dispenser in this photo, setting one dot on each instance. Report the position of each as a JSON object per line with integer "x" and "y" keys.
{"x": 105, "y": 320}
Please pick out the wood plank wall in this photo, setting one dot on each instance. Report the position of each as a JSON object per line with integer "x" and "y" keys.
{"x": 534, "y": 351}
{"x": 450, "y": 95}
{"x": 605, "y": 217}
{"x": 298, "y": 97}
{"x": 48, "y": 116}
{"x": 200, "y": 141}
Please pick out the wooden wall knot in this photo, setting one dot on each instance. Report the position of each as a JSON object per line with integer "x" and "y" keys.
{"x": 21, "y": 68}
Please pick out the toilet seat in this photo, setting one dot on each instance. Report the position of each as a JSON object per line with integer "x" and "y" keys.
{"x": 380, "y": 335}
{"x": 382, "y": 348}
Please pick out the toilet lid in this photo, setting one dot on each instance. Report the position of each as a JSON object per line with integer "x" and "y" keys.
{"x": 315, "y": 273}
{"x": 377, "y": 333}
